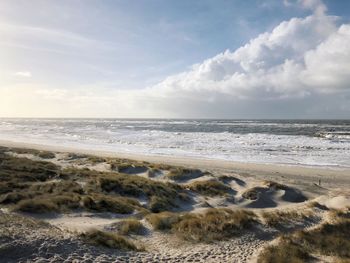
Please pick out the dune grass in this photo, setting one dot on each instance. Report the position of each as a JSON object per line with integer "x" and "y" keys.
{"x": 130, "y": 226}
{"x": 275, "y": 185}
{"x": 283, "y": 217}
{"x": 158, "y": 204}
{"x": 23, "y": 151}
{"x": 38, "y": 153}
{"x": 327, "y": 240}
{"x": 285, "y": 252}
{"x": 162, "y": 196}
{"x": 339, "y": 214}
{"x": 20, "y": 170}
{"x": 22, "y": 179}
{"x": 106, "y": 239}
{"x": 47, "y": 204}
{"x": 25, "y": 182}
{"x": 92, "y": 159}
{"x": 46, "y": 155}
{"x": 71, "y": 202}
{"x": 251, "y": 193}
{"x": 13, "y": 197}
{"x": 163, "y": 221}
{"x": 182, "y": 174}
{"x": 153, "y": 172}
{"x": 315, "y": 204}
{"x": 36, "y": 206}
{"x": 114, "y": 204}
{"x": 213, "y": 224}
{"x": 76, "y": 156}
{"x": 209, "y": 188}
{"x": 59, "y": 187}
{"x": 126, "y": 166}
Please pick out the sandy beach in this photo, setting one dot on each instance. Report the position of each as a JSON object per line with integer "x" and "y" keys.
{"x": 175, "y": 131}
{"x": 298, "y": 198}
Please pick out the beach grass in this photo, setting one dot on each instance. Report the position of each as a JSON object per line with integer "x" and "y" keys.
{"x": 107, "y": 239}
{"x": 212, "y": 225}
{"x": 330, "y": 239}
{"x": 209, "y": 188}
{"x": 130, "y": 226}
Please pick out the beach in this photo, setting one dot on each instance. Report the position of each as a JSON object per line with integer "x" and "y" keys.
{"x": 298, "y": 197}
{"x": 175, "y": 131}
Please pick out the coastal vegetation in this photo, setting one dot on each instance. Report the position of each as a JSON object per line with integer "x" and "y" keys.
{"x": 185, "y": 203}
{"x": 38, "y": 186}
{"x": 183, "y": 174}
{"x": 302, "y": 246}
{"x": 107, "y": 239}
{"x": 210, "y": 188}
{"x": 214, "y": 224}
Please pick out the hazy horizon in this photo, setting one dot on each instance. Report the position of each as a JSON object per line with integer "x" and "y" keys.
{"x": 186, "y": 59}
{"x": 216, "y": 119}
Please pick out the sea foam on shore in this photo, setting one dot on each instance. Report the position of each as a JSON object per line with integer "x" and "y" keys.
{"x": 308, "y": 143}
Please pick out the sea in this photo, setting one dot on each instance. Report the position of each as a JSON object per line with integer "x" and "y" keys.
{"x": 321, "y": 143}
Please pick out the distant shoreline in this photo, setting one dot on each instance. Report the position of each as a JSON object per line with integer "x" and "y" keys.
{"x": 202, "y": 163}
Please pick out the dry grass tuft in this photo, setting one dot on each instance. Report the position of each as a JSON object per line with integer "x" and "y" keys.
{"x": 130, "y": 226}
{"x": 69, "y": 202}
{"x": 114, "y": 204}
{"x": 315, "y": 204}
{"x": 48, "y": 204}
{"x": 46, "y": 155}
{"x": 153, "y": 172}
{"x": 252, "y": 193}
{"x": 158, "y": 204}
{"x": 339, "y": 214}
{"x": 163, "y": 196}
{"x": 163, "y": 221}
{"x": 285, "y": 252}
{"x": 280, "y": 217}
{"x": 214, "y": 224}
{"x": 182, "y": 174}
{"x": 275, "y": 185}
{"x": 60, "y": 187}
{"x": 92, "y": 159}
{"x": 36, "y": 206}
{"x": 326, "y": 240}
{"x": 20, "y": 170}
{"x": 110, "y": 240}
{"x": 209, "y": 188}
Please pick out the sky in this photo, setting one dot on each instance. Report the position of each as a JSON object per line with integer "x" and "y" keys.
{"x": 175, "y": 59}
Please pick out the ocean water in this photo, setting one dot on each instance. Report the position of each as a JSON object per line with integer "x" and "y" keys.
{"x": 324, "y": 143}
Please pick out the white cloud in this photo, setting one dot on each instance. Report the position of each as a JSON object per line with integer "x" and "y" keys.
{"x": 298, "y": 61}
{"x": 50, "y": 40}
{"x": 274, "y": 65}
{"x": 25, "y": 74}
{"x": 317, "y": 6}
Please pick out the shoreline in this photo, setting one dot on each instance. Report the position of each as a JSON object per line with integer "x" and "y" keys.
{"x": 285, "y": 169}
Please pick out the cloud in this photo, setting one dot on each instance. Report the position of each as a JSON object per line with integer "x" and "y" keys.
{"x": 317, "y": 6}
{"x": 300, "y": 62}
{"x": 274, "y": 65}
{"x": 50, "y": 40}
{"x": 24, "y": 74}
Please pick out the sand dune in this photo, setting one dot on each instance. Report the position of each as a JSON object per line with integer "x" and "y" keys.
{"x": 297, "y": 201}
